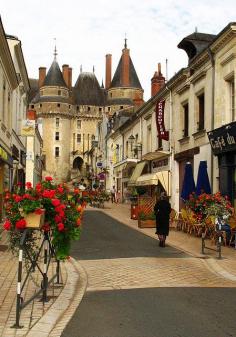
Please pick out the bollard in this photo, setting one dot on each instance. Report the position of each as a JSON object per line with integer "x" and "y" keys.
{"x": 45, "y": 277}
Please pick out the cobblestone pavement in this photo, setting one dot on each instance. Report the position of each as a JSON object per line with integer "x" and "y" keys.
{"x": 8, "y": 282}
{"x": 183, "y": 241}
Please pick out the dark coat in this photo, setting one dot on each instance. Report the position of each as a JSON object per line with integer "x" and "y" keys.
{"x": 162, "y": 210}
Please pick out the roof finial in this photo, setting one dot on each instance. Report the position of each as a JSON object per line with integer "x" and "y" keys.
{"x": 125, "y": 41}
{"x": 93, "y": 69}
{"x": 55, "y": 49}
{"x": 81, "y": 69}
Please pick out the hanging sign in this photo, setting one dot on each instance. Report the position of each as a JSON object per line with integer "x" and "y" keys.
{"x": 162, "y": 133}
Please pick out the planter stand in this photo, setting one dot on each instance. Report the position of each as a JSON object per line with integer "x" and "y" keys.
{"x": 146, "y": 223}
{"x": 49, "y": 253}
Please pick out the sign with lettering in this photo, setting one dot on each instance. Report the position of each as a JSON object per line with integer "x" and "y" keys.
{"x": 28, "y": 127}
{"x": 223, "y": 139}
{"x": 160, "y": 165}
{"x": 161, "y": 131}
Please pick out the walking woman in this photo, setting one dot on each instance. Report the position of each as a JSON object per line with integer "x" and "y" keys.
{"x": 162, "y": 210}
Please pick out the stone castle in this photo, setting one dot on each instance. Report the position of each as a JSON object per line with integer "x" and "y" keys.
{"x": 69, "y": 115}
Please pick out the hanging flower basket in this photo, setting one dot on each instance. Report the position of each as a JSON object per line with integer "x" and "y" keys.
{"x": 47, "y": 207}
{"x": 34, "y": 220}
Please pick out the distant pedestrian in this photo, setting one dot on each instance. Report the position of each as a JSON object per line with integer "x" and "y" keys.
{"x": 113, "y": 194}
{"x": 162, "y": 210}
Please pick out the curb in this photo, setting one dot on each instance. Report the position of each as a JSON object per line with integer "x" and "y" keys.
{"x": 56, "y": 318}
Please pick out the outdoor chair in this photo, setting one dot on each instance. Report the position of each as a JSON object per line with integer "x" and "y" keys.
{"x": 173, "y": 219}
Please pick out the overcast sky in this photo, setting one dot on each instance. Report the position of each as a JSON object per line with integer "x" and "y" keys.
{"x": 86, "y": 30}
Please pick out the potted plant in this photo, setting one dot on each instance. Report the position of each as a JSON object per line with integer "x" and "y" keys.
{"x": 59, "y": 214}
{"x": 146, "y": 220}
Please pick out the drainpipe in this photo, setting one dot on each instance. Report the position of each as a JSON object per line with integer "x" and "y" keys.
{"x": 211, "y": 56}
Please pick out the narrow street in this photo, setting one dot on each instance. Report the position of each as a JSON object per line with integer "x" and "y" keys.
{"x": 137, "y": 289}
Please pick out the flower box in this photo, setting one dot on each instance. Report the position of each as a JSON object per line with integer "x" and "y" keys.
{"x": 146, "y": 223}
{"x": 34, "y": 220}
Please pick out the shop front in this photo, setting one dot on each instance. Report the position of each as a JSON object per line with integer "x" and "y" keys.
{"x": 223, "y": 144}
{"x": 5, "y": 175}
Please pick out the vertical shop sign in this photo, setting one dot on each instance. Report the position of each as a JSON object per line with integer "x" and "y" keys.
{"x": 162, "y": 133}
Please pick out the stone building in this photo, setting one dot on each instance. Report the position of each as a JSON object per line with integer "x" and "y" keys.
{"x": 70, "y": 114}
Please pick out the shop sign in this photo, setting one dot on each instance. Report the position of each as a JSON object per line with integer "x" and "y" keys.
{"x": 161, "y": 131}
{"x": 3, "y": 154}
{"x": 160, "y": 165}
{"x": 99, "y": 164}
{"x": 28, "y": 127}
{"x": 223, "y": 139}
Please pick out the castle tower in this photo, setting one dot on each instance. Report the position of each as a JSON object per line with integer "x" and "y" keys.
{"x": 53, "y": 106}
{"x": 125, "y": 89}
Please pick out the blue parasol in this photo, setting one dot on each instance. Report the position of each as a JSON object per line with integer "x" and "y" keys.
{"x": 188, "y": 183}
{"x": 203, "y": 183}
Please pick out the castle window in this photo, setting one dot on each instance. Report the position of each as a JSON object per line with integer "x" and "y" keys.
{"x": 77, "y": 108}
{"x": 59, "y": 92}
{"x": 78, "y": 124}
{"x": 57, "y": 122}
{"x": 100, "y": 109}
{"x": 88, "y": 108}
{"x": 57, "y": 136}
{"x": 109, "y": 108}
{"x": 69, "y": 106}
{"x": 57, "y": 151}
{"x": 32, "y": 106}
{"x": 40, "y": 105}
{"x": 121, "y": 107}
{"x": 58, "y": 105}
{"x": 78, "y": 137}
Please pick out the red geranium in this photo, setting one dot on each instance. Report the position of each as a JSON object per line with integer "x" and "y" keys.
{"x": 17, "y": 198}
{"x": 61, "y": 227}
{"x": 39, "y": 211}
{"x": 48, "y": 178}
{"x": 28, "y": 185}
{"x": 78, "y": 222}
{"x": 7, "y": 225}
{"x": 21, "y": 224}
{"x": 49, "y": 194}
{"x": 60, "y": 189}
{"x": 57, "y": 219}
{"x": 56, "y": 202}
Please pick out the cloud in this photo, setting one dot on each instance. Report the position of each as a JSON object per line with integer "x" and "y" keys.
{"x": 87, "y": 30}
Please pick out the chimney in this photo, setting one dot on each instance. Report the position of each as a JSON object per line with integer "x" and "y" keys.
{"x": 70, "y": 78}
{"x": 125, "y": 68}
{"x": 158, "y": 81}
{"x": 65, "y": 72}
{"x": 108, "y": 71}
{"x": 31, "y": 114}
{"x": 42, "y": 75}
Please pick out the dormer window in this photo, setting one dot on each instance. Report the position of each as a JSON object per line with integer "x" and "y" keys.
{"x": 58, "y": 105}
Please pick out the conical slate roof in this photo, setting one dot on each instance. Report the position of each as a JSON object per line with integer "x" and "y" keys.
{"x": 54, "y": 76}
{"x": 133, "y": 77}
{"x": 87, "y": 90}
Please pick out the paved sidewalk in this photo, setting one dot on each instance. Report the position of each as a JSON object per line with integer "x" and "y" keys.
{"x": 37, "y": 319}
{"x": 183, "y": 241}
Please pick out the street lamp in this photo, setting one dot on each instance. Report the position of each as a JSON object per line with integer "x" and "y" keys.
{"x": 135, "y": 148}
